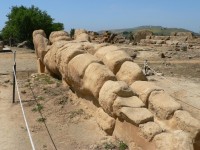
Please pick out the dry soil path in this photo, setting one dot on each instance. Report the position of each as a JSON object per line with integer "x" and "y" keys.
{"x": 13, "y": 136}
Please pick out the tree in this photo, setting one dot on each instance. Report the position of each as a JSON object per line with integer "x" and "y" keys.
{"x": 72, "y": 31}
{"x": 22, "y": 21}
{"x": 1, "y": 38}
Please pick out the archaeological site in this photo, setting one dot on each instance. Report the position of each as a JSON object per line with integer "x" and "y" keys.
{"x": 128, "y": 104}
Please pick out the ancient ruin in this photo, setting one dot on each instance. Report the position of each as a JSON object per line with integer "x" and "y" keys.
{"x": 128, "y": 106}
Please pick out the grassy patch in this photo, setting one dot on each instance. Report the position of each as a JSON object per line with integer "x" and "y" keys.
{"x": 122, "y": 145}
{"x": 38, "y": 107}
{"x": 109, "y": 146}
{"x": 75, "y": 113}
{"x": 63, "y": 100}
{"x": 44, "y": 79}
{"x": 41, "y": 119}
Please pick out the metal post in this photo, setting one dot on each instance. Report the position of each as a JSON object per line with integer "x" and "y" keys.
{"x": 14, "y": 73}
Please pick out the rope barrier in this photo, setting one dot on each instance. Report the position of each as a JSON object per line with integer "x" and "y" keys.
{"x": 15, "y": 84}
{"x": 23, "y": 112}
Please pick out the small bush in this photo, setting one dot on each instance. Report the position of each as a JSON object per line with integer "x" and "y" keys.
{"x": 38, "y": 107}
{"x": 41, "y": 119}
{"x": 122, "y": 145}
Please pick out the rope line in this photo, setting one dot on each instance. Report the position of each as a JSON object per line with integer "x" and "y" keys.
{"x": 23, "y": 112}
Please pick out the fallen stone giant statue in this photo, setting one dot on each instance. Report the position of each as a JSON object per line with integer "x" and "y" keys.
{"x": 128, "y": 106}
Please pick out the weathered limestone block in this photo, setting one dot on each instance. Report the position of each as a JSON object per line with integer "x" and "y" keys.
{"x": 149, "y": 130}
{"x": 59, "y": 36}
{"x": 73, "y": 45}
{"x": 172, "y": 42}
{"x": 162, "y": 104}
{"x": 76, "y": 69}
{"x": 136, "y": 115}
{"x": 109, "y": 92}
{"x": 184, "y": 121}
{"x": 161, "y": 38}
{"x": 98, "y": 46}
{"x": 132, "y": 102}
{"x": 95, "y": 76}
{"x": 105, "y": 122}
{"x": 188, "y": 34}
{"x": 40, "y": 43}
{"x": 87, "y": 46}
{"x": 84, "y": 37}
{"x": 92, "y": 48}
{"x": 177, "y": 140}
{"x": 179, "y": 38}
{"x": 160, "y": 42}
{"x": 50, "y": 61}
{"x": 40, "y": 66}
{"x": 65, "y": 56}
{"x": 115, "y": 59}
{"x": 78, "y": 32}
{"x": 128, "y": 133}
{"x": 102, "y": 51}
{"x": 133, "y": 146}
{"x": 143, "y": 89}
{"x": 130, "y": 72}
{"x": 81, "y": 35}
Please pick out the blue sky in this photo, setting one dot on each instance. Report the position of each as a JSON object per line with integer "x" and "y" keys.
{"x": 114, "y": 14}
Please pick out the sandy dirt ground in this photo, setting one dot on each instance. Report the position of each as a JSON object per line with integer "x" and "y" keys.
{"x": 70, "y": 119}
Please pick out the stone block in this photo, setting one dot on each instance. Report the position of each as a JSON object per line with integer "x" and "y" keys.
{"x": 143, "y": 89}
{"x": 149, "y": 130}
{"x": 177, "y": 140}
{"x": 162, "y": 104}
{"x": 132, "y": 102}
{"x": 109, "y": 92}
{"x": 105, "y": 122}
{"x": 136, "y": 115}
{"x": 130, "y": 72}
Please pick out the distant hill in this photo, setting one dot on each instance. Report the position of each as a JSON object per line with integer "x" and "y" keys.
{"x": 157, "y": 30}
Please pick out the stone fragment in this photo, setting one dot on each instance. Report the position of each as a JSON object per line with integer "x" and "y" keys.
{"x": 162, "y": 104}
{"x": 132, "y": 102}
{"x": 94, "y": 78}
{"x": 136, "y": 115}
{"x": 102, "y": 51}
{"x": 76, "y": 69}
{"x": 184, "y": 121}
{"x": 109, "y": 92}
{"x": 143, "y": 89}
{"x": 130, "y": 72}
{"x": 105, "y": 122}
{"x": 177, "y": 140}
{"x": 149, "y": 130}
{"x": 115, "y": 59}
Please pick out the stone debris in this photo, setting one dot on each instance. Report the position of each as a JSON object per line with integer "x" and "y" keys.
{"x": 105, "y": 122}
{"x": 184, "y": 121}
{"x": 136, "y": 115}
{"x": 177, "y": 140}
{"x": 149, "y": 130}
{"x": 132, "y": 102}
{"x": 162, "y": 105}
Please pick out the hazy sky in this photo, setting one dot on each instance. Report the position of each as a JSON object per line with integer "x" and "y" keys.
{"x": 114, "y": 14}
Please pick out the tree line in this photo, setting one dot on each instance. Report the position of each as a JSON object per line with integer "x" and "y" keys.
{"x": 22, "y": 21}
